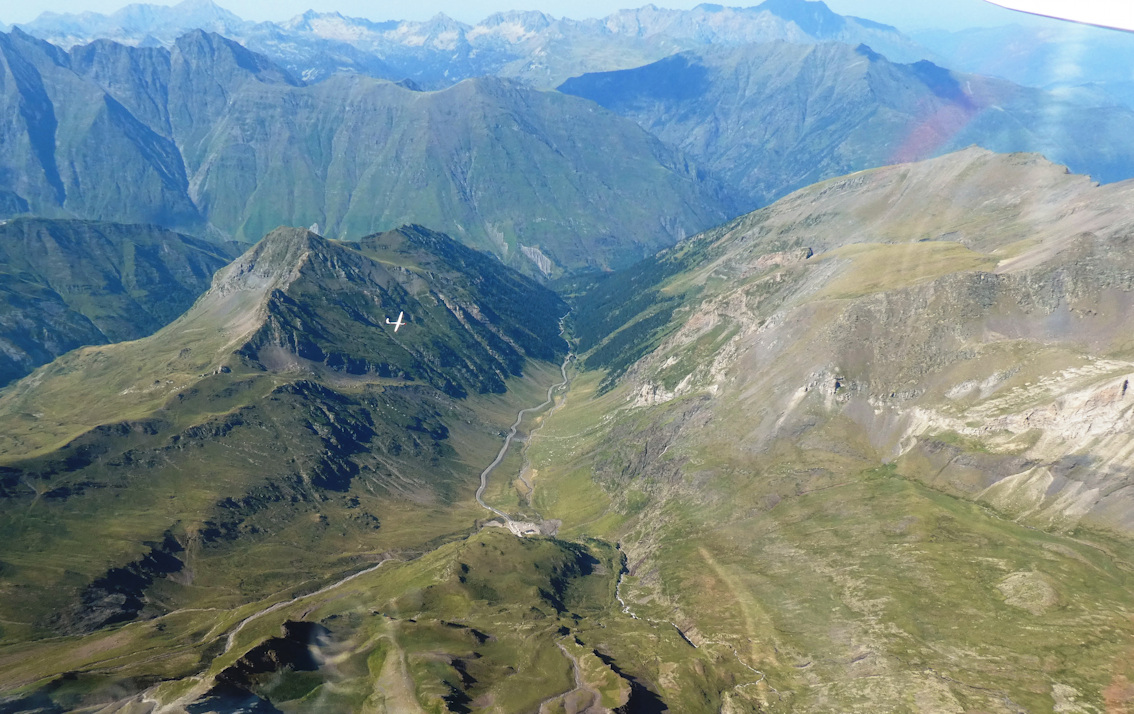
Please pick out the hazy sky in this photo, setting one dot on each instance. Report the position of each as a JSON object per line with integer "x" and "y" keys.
{"x": 906, "y": 14}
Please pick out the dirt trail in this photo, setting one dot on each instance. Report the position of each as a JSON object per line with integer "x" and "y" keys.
{"x": 580, "y": 700}
{"x": 626, "y": 610}
{"x": 279, "y": 605}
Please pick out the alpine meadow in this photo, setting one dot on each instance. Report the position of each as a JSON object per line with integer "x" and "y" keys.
{"x": 716, "y": 360}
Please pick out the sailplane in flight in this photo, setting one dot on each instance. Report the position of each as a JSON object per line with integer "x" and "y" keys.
{"x": 397, "y": 323}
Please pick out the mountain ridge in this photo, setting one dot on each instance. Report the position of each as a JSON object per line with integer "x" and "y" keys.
{"x": 72, "y": 283}
{"x": 441, "y": 51}
{"x": 887, "y": 399}
{"x": 218, "y": 141}
{"x": 287, "y": 360}
{"x": 802, "y": 444}
{"x": 1016, "y": 246}
{"x": 773, "y": 118}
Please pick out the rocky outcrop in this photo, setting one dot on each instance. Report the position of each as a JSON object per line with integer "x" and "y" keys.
{"x": 978, "y": 363}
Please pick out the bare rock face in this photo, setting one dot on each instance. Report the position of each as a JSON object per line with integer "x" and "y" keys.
{"x": 979, "y": 341}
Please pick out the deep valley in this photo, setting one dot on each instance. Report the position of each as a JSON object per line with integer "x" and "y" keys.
{"x": 766, "y": 365}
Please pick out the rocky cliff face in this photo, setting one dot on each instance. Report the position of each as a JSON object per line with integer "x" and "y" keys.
{"x": 999, "y": 319}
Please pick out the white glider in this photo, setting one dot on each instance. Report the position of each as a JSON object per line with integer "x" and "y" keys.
{"x": 398, "y": 323}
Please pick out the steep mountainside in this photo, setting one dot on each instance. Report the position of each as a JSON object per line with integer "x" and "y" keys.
{"x": 58, "y": 132}
{"x": 876, "y": 437}
{"x": 65, "y": 284}
{"x": 212, "y": 132}
{"x": 281, "y": 389}
{"x": 771, "y": 118}
{"x": 531, "y": 46}
{"x": 501, "y": 167}
{"x": 268, "y": 505}
{"x": 867, "y": 448}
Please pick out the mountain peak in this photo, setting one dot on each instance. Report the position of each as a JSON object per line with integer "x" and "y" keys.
{"x": 812, "y": 16}
{"x": 272, "y": 264}
{"x": 284, "y": 246}
{"x": 529, "y": 19}
{"x": 185, "y": 14}
{"x": 865, "y": 50}
{"x": 196, "y": 5}
{"x": 442, "y": 20}
{"x": 203, "y": 45}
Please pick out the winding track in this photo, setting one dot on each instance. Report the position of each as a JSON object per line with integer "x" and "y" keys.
{"x": 272, "y": 608}
{"x": 231, "y": 640}
{"x": 512, "y": 434}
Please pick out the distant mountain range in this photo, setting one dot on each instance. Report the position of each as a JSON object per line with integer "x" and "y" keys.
{"x": 544, "y": 51}
{"x": 767, "y": 119}
{"x": 214, "y": 140}
{"x": 287, "y": 360}
{"x": 532, "y": 46}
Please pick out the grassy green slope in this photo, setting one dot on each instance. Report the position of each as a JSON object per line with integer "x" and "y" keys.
{"x": 784, "y": 505}
{"x": 223, "y": 459}
{"x": 73, "y": 283}
{"x": 889, "y": 474}
{"x": 214, "y": 139}
{"x": 263, "y": 489}
{"x": 492, "y": 163}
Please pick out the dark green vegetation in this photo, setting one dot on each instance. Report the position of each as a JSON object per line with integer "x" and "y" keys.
{"x": 865, "y": 449}
{"x": 808, "y": 522}
{"x": 281, "y": 439}
{"x": 620, "y": 317}
{"x": 768, "y": 119}
{"x": 65, "y": 284}
{"x": 277, "y": 435}
{"x": 215, "y": 140}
